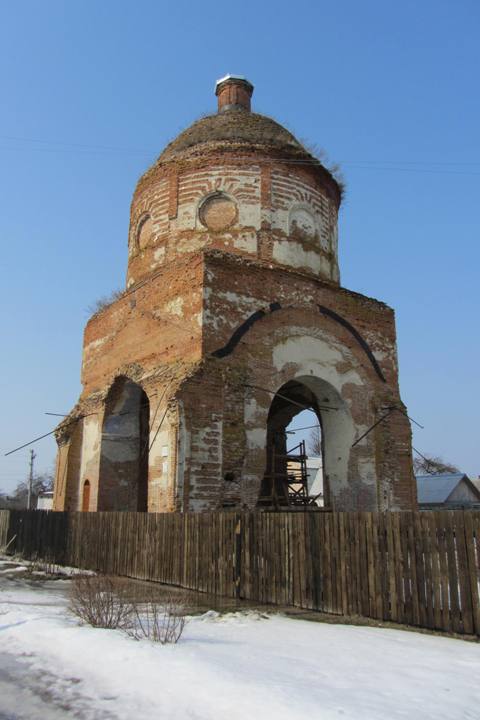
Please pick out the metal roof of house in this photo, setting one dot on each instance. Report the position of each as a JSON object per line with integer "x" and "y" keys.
{"x": 476, "y": 482}
{"x": 437, "y": 488}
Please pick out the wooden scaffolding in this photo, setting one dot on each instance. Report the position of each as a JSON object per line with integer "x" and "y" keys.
{"x": 286, "y": 485}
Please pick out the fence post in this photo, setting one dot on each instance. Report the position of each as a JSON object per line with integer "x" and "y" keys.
{"x": 237, "y": 569}
{"x": 472, "y": 572}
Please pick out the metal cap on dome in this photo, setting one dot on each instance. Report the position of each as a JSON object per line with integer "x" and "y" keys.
{"x": 234, "y": 92}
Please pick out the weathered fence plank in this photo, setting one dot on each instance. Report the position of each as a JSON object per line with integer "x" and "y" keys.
{"x": 4, "y": 523}
{"x": 471, "y": 545}
{"x": 421, "y": 569}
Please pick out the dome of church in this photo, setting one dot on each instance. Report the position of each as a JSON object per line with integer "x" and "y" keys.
{"x": 235, "y": 182}
{"x": 235, "y": 128}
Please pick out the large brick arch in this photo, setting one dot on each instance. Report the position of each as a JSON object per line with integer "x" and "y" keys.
{"x": 277, "y": 354}
{"x": 261, "y": 314}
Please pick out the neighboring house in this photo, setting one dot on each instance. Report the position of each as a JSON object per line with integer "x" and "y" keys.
{"x": 315, "y": 478}
{"x": 449, "y": 490}
{"x": 476, "y": 482}
{"x": 45, "y": 501}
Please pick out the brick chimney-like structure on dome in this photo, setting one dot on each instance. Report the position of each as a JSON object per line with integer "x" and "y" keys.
{"x": 234, "y": 93}
{"x": 232, "y": 322}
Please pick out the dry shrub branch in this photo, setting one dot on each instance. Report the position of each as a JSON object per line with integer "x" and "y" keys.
{"x": 101, "y": 601}
{"x": 109, "y": 602}
{"x": 162, "y": 621}
{"x": 45, "y": 566}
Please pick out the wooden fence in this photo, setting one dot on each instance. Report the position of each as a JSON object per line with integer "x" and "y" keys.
{"x": 4, "y": 517}
{"x": 420, "y": 569}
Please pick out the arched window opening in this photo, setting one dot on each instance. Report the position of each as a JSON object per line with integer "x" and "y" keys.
{"x": 144, "y": 231}
{"x": 86, "y": 496}
{"x": 286, "y": 479}
{"x": 307, "y": 427}
{"x": 125, "y": 445}
{"x": 337, "y": 433}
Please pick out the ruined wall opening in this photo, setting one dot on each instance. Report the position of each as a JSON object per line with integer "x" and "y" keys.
{"x": 286, "y": 462}
{"x": 123, "y": 481}
{"x": 86, "y": 496}
{"x": 306, "y": 426}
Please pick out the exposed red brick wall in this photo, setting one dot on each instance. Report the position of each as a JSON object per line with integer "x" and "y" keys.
{"x": 216, "y": 236}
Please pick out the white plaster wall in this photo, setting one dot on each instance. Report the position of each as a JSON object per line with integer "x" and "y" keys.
{"x": 92, "y": 436}
{"x": 161, "y": 457}
{"x": 247, "y": 242}
{"x": 245, "y": 303}
{"x": 289, "y": 252}
{"x": 90, "y": 456}
{"x": 241, "y": 184}
{"x": 317, "y": 356}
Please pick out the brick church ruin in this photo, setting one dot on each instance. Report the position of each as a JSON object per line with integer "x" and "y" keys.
{"x": 232, "y": 322}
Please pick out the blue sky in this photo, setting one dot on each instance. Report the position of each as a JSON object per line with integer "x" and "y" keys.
{"x": 92, "y": 91}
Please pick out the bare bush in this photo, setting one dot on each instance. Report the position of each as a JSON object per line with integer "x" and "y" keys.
{"x": 432, "y": 465}
{"x": 104, "y": 302}
{"x": 314, "y": 444}
{"x": 162, "y": 621}
{"x": 101, "y": 601}
{"x": 43, "y": 566}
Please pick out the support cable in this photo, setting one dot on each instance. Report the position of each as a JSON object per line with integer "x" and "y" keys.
{"x": 389, "y": 410}
{"x": 247, "y": 385}
{"x": 285, "y": 397}
{"x": 30, "y": 442}
{"x": 372, "y": 427}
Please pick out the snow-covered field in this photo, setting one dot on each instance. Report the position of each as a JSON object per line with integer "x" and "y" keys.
{"x": 236, "y": 666}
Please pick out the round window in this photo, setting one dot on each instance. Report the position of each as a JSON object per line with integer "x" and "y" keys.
{"x": 218, "y": 212}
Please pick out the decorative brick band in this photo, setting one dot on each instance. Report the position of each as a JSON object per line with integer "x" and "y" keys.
{"x": 173, "y": 193}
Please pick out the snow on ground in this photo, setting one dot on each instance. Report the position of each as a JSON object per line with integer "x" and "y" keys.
{"x": 241, "y": 665}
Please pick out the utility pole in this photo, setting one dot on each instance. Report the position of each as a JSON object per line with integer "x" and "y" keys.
{"x": 30, "y": 481}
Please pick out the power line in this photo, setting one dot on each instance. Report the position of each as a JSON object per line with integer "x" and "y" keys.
{"x": 308, "y": 427}
{"x": 30, "y": 442}
{"x": 414, "y": 162}
{"x": 76, "y": 146}
{"x": 362, "y": 161}
{"x": 430, "y": 171}
{"x": 413, "y": 166}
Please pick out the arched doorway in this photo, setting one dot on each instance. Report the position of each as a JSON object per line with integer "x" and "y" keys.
{"x": 86, "y": 496}
{"x": 286, "y": 481}
{"x": 305, "y": 427}
{"x": 124, "y": 453}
